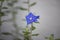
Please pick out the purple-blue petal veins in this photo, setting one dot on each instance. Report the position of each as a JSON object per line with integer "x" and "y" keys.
{"x": 30, "y": 18}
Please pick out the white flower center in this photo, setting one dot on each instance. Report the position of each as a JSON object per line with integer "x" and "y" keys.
{"x": 31, "y": 18}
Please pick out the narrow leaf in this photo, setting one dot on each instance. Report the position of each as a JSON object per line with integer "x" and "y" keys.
{"x": 21, "y": 8}
{"x": 33, "y": 28}
{"x": 35, "y": 34}
{"x": 57, "y": 39}
{"x": 26, "y": 29}
{"x": 2, "y": 14}
{"x": 4, "y": 8}
{"x": 52, "y": 35}
{"x": 46, "y": 37}
{"x": 33, "y": 4}
{"x": 36, "y": 22}
{"x": 14, "y": 1}
{"x": 6, "y": 33}
{"x": 26, "y": 2}
{"x": 1, "y": 0}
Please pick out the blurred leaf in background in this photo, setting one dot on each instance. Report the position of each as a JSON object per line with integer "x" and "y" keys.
{"x": 33, "y": 28}
{"x": 21, "y": 8}
{"x": 6, "y": 33}
{"x": 51, "y": 37}
{"x": 33, "y": 4}
{"x": 35, "y": 34}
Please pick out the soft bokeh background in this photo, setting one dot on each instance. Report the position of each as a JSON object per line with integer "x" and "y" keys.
{"x": 49, "y": 12}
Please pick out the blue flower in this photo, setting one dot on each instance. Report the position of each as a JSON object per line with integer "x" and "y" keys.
{"x": 30, "y": 18}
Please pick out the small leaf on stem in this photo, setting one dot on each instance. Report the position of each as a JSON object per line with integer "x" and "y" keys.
{"x": 35, "y": 34}
{"x": 33, "y": 28}
{"x": 21, "y": 8}
{"x": 33, "y": 4}
{"x": 36, "y": 22}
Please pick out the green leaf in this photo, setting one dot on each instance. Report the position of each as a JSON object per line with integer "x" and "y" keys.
{"x": 4, "y": 7}
{"x": 51, "y": 38}
{"x": 33, "y": 28}
{"x": 46, "y": 37}
{"x": 57, "y": 39}
{"x": 33, "y": 4}
{"x": 26, "y": 2}
{"x": 2, "y": 14}
{"x": 35, "y": 34}
{"x": 52, "y": 35}
{"x": 1, "y": 22}
{"x": 21, "y": 8}
{"x": 1, "y": 0}
{"x": 14, "y": 1}
{"x": 6, "y": 33}
{"x": 26, "y": 29}
{"x": 26, "y": 32}
{"x": 36, "y": 22}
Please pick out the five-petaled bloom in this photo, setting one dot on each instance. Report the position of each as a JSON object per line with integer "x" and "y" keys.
{"x": 30, "y": 18}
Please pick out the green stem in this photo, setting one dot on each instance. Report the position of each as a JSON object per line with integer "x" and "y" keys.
{"x": 30, "y": 38}
{"x": 0, "y": 16}
{"x": 31, "y": 31}
{"x": 28, "y": 6}
{"x": 0, "y": 12}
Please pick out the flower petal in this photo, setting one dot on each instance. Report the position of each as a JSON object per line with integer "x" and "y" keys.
{"x": 30, "y": 18}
